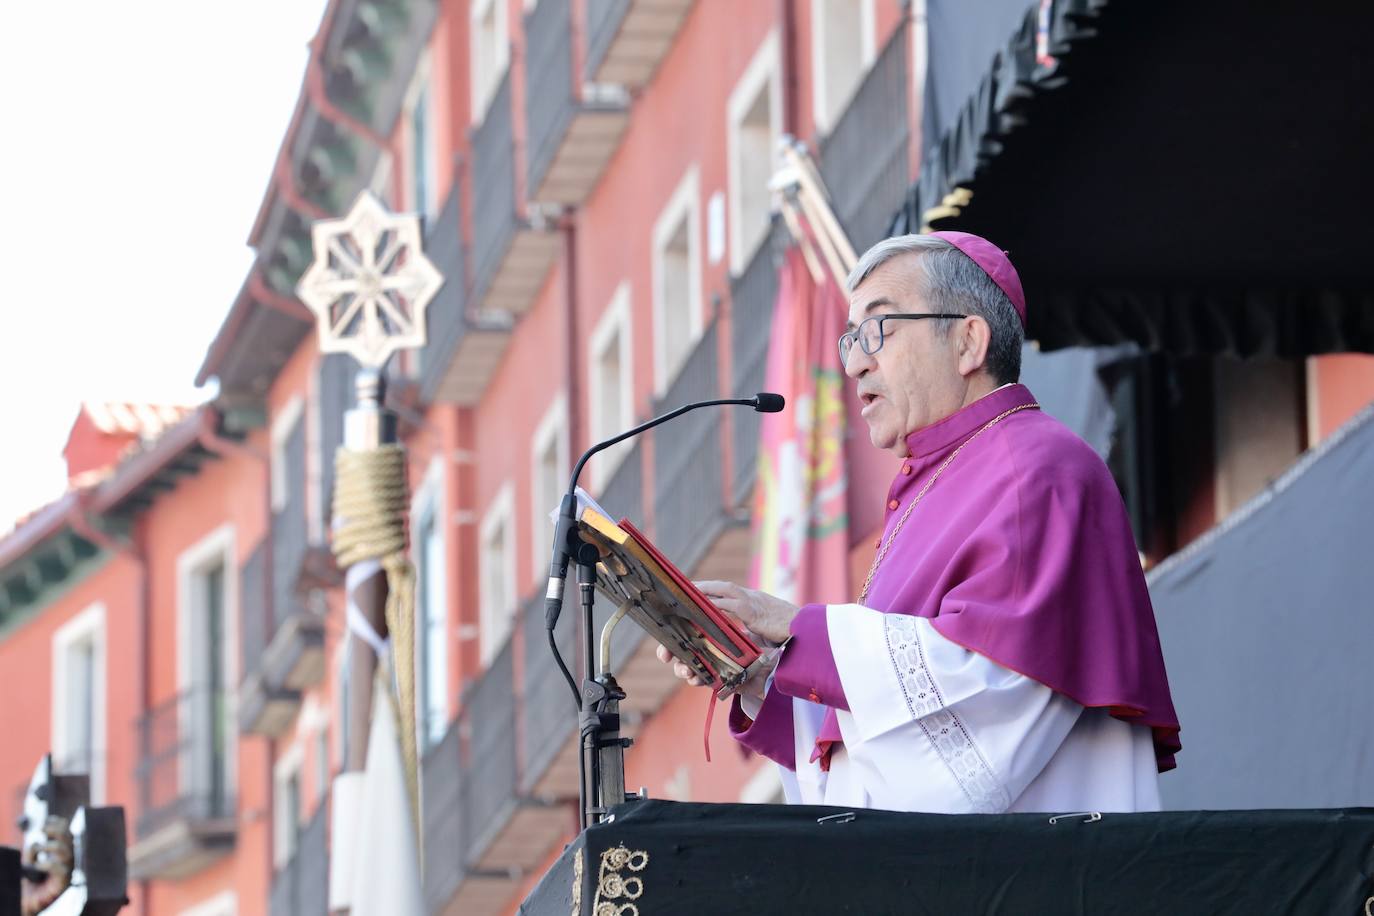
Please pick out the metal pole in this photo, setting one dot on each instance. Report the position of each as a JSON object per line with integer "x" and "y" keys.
{"x": 369, "y": 287}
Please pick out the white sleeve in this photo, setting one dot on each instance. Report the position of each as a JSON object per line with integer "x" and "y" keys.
{"x": 933, "y": 726}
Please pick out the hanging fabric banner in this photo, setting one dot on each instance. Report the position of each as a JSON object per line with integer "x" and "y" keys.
{"x": 800, "y": 523}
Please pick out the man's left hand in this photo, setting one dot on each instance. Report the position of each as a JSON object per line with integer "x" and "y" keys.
{"x": 760, "y": 612}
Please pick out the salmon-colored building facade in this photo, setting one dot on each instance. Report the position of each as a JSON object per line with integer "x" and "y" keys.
{"x": 592, "y": 179}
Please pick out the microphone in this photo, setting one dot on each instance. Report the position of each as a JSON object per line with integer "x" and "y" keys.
{"x": 563, "y": 548}
{"x": 768, "y": 402}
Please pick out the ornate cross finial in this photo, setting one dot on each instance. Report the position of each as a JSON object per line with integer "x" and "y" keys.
{"x": 370, "y": 282}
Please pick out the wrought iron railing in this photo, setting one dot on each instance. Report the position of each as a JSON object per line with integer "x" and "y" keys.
{"x": 623, "y": 494}
{"x": 603, "y": 22}
{"x": 490, "y": 777}
{"x": 493, "y": 182}
{"x": 446, "y": 313}
{"x": 864, "y": 161}
{"x": 549, "y": 718}
{"x": 688, "y": 497}
{"x": 441, "y": 778}
{"x": 185, "y": 746}
{"x": 753, "y": 295}
{"x": 301, "y": 886}
{"x": 549, "y": 98}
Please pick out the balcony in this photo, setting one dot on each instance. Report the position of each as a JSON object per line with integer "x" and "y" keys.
{"x": 283, "y": 641}
{"x": 186, "y": 812}
{"x": 441, "y": 782}
{"x": 864, "y": 160}
{"x": 550, "y": 713}
{"x": 573, "y": 128}
{"x": 263, "y": 709}
{"x": 301, "y": 887}
{"x": 691, "y": 523}
{"x": 511, "y": 254}
{"x": 549, "y": 720}
{"x": 499, "y": 833}
{"x": 623, "y": 494}
{"x": 510, "y": 831}
{"x": 627, "y": 39}
{"x": 753, "y": 295}
{"x": 461, "y": 352}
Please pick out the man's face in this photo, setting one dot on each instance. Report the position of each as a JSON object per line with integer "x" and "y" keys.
{"x": 914, "y": 380}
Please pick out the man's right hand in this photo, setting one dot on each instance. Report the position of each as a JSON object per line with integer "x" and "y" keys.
{"x": 753, "y": 687}
{"x": 680, "y": 669}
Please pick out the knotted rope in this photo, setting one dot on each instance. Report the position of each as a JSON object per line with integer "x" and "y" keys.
{"x": 371, "y": 502}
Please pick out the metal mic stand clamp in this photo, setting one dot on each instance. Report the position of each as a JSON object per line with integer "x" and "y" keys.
{"x": 603, "y": 748}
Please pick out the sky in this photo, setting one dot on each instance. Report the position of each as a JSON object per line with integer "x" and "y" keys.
{"x": 138, "y": 139}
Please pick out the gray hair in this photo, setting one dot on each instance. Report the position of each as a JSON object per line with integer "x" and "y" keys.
{"x": 952, "y": 282}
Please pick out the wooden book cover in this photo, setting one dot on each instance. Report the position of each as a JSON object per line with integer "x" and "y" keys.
{"x": 634, "y": 574}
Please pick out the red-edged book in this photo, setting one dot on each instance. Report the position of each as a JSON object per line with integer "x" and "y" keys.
{"x": 635, "y": 575}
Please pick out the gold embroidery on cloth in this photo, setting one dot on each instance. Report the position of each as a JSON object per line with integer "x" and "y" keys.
{"x": 577, "y": 884}
{"x": 612, "y": 885}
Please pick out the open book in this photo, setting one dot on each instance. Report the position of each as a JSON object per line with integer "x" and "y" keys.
{"x": 657, "y": 596}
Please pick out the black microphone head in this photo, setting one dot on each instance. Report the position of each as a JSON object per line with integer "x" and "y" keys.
{"x": 768, "y": 402}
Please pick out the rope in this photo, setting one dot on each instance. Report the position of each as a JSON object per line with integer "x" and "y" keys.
{"x": 371, "y": 503}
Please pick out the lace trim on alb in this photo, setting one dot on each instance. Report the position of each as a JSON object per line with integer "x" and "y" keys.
{"x": 942, "y": 727}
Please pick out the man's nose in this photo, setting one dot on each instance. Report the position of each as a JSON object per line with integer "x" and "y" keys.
{"x": 859, "y": 363}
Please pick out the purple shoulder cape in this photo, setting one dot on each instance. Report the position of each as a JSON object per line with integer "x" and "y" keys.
{"x": 1022, "y": 552}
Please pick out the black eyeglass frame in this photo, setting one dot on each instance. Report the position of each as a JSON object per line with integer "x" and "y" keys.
{"x": 856, "y": 335}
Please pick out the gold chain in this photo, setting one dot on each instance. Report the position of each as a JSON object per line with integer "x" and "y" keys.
{"x": 882, "y": 553}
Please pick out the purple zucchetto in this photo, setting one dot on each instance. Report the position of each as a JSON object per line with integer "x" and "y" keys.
{"x": 994, "y": 262}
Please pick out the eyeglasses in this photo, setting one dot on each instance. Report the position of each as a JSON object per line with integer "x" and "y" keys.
{"x": 870, "y": 333}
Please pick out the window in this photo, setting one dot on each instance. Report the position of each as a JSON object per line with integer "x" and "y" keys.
{"x": 610, "y": 385}
{"x": 549, "y": 471}
{"x": 1195, "y": 437}
{"x": 490, "y": 52}
{"x": 753, "y": 129}
{"x": 1260, "y": 426}
{"x": 496, "y": 560}
{"x": 431, "y": 646}
{"x": 677, "y": 279}
{"x": 332, "y": 395}
{"x": 380, "y": 183}
{"x": 286, "y": 807}
{"x": 283, "y": 425}
{"x": 420, "y": 173}
{"x": 206, "y": 671}
{"x": 78, "y": 698}
{"x": 841, "y": 52}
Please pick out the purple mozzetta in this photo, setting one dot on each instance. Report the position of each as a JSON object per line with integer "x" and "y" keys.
{"x": 1021, "y": 552}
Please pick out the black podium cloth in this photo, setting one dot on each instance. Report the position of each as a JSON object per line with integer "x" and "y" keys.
{"x": 697, "y": 858}
{"x": 11, "y": 893}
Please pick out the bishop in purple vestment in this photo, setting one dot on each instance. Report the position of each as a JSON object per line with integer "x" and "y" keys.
{"x": 1002, "y": 655}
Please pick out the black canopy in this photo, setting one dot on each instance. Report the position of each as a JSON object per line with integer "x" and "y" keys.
{"x": 1191, "y": 177}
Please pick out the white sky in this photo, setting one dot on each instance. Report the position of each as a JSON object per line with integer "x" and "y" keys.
{"x": 137, "y": 141}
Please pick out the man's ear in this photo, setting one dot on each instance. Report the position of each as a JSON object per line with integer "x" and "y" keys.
{"x": 973, "y": 337}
